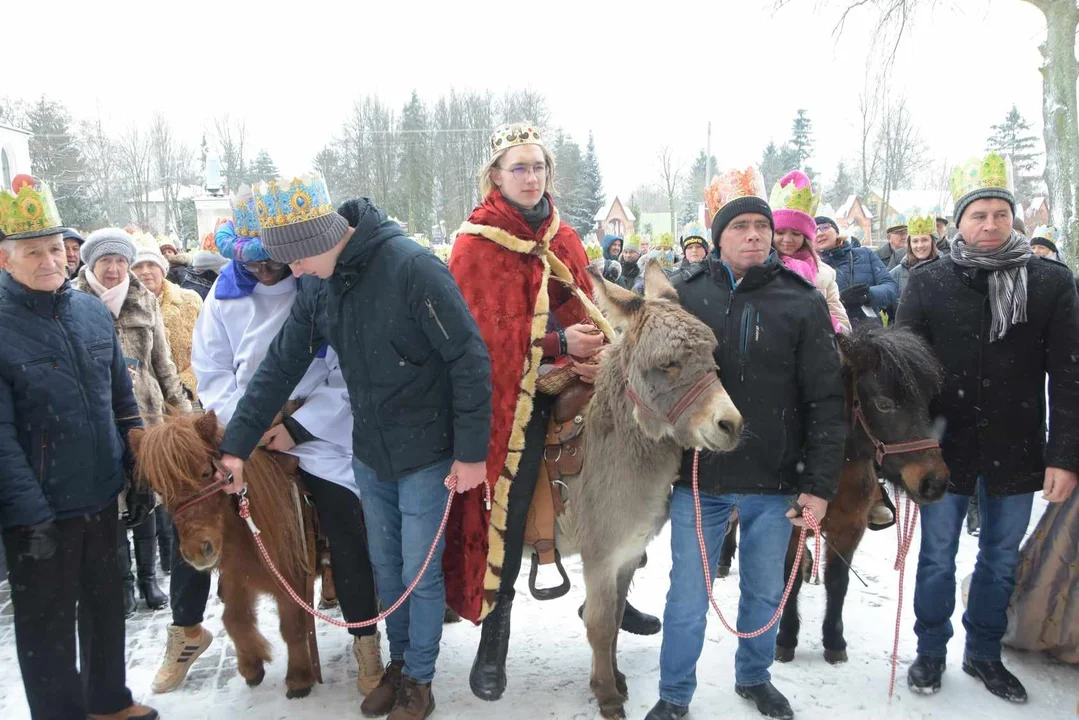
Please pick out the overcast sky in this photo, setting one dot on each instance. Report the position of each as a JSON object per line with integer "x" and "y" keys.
{"x": 638, "y": 75}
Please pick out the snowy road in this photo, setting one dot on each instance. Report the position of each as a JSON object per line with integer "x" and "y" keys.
{"x": 549, "y": 661}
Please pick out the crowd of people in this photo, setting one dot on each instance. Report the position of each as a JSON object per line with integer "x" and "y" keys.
{"x": 408, "y": 379}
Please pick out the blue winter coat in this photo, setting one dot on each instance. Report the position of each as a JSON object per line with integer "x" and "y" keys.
{"x": 66, "y": 405}
{"x": 859, "y": 265}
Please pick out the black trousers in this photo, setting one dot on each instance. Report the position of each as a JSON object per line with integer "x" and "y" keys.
{"x": 341, "y": 517}
{"x": 522, "y": 490}
{"x": 78, "y": 587}
{"x": 189, "y": 589}
{"x": 144, "y": 532}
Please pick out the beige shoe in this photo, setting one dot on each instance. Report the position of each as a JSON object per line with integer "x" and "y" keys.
{"x": 368, "y": 652}
{"x": 135, "y": 712}
{"x": 184, "y": 647}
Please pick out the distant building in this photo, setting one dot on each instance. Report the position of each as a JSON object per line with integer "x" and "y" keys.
{"x": 1036, "y": 214}
{"x": 615, "y": 219}
{"x": 14, "y": 153}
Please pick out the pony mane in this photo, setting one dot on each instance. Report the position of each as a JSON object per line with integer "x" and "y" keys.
{"x": 899, "y": 358}
{"x": 173, "y": 456}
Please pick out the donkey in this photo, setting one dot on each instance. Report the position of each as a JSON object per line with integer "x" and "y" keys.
{"x": 890, "y": 376}
{"x": 657, "y": 393}
{"x": 178, "y": 459}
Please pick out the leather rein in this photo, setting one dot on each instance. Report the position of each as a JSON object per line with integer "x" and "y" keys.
{"x": 684, "y": 403}
{"x": 884, "y": 449}
{"x": 209, "y": 491}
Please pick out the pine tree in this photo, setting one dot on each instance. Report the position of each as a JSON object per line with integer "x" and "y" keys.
{"x": 801, "y": 139}
{"x": 570, "y": 183}
{"x": 57, "y": 160}
{"x": 327, "y": 163}
{"x": 593, "y": 198}
{"x": 777, "y": 162}
{"x": 264, "y": 169}
{"x": 693, "y": 192}
{"x": 1012, "y": 138}
{"x": 841, "y": 188}
{"x": 415, "y": 199}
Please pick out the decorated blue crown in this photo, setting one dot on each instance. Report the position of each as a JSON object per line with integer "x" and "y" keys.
{"x": 304, "y": 198}
{"x": 244, "y": 216}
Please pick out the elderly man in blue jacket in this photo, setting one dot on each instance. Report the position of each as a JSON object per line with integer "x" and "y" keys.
{"x": 66, "y": 407}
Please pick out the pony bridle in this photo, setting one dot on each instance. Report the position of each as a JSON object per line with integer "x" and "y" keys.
{"x": 209, "y": 491}
{"x": 684, "y": 403}
{"x": 884, "y": 449}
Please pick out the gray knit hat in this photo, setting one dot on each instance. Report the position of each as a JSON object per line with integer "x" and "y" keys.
{"x": 297, "y": 219}
{"x": 107, "y": 241}
{"x": 983, "y": 194}
{"x": 290, "y": 243}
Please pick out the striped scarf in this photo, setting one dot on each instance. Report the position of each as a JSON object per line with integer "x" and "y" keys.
{"x": 1007, "y": 268}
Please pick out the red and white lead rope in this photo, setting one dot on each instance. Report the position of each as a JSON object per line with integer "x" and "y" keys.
{"x": 245, "y": 513}
{"x": 904, "y": 531}
{"x": 811, "y": 524}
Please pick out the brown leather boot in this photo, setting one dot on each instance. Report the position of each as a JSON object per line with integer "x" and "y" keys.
{"x": 135, "y": 712}
{"x": 382, "y": 699}
{"x": 415, "y": 701}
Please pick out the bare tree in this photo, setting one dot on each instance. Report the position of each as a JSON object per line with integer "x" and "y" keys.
{"x": 172, "y": 165}
{"x": 136, "y": 167}
{"x": 869, "y": 104}
{"x": 902, "y": 153}
{"x": 525, "y": 106}
{"x": 103, "y": 167}
{"x": 670, "y": 181}
{"x": 230, "y": 135}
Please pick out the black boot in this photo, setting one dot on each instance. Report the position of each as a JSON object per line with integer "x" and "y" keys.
{"x": 973, "y": 519}
{"x": 164, "y": 539}
{"x": 664, "y": 710}
{"x": 770, "y": 702}
{"x": 997, "y": 679}
{"x": 123, "y": 559}
{"x": 924, "y": 674}
{"x": 488, "y": 676}
{"x": 144, "y": 564}
{"x": 129, "y": 596}
{"x": 634, "y": 621}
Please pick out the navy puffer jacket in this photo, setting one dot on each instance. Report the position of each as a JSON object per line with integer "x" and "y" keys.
{"x": 859, "y": 265}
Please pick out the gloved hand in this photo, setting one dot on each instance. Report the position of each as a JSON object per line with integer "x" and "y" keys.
{"x": 37, "y": 542}
{"x": 855, "y": 295}
{"x": 140, "y": 503}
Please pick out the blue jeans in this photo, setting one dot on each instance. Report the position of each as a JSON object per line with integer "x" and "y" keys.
{"x": 402, "y": 518}
{"x": 761, "y": 553}
{"x": 1004, "y": 520}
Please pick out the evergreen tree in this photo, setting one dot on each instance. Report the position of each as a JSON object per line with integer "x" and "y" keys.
{"x": 1012, "y": 138}
{"x": 328, "y": 164}
{"x": 264, "y": 169}
{"x": 593, "y": 198}
{"x": 801, "y": 139}
{"x": 57, "y": 160}
{"x": 415, "y": 197}
{"x": 693, "y": 191}
{"x": 777, "y": 162}
{"x": 571, "y": 184}
{"x": 841, "y": 188}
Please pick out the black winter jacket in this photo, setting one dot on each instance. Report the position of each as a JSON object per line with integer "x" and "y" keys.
{"x": 66, "y": 405}
{"x": 778, "y": 361}
{"x": 415, "y": 364}
{"x": 993, "y": 400}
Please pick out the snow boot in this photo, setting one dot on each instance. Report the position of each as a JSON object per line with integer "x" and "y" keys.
{"x": 367, "y": 649}
{"x": 382, "y": 699}
{"x": 135, "y": 712}
{"x": 164, "y": 539}
{"x": 996, "y": 678}
{"x": 488, "y": 676}
{"x": 129, "y": 596}
{"x": 144, "y": 563}
{"x": 664, "y": 710}
{"x": 770, "y": 702}
{"x": 634, "y": 621}
{"x": 925, "y": 674}
{"x": 184, "y": 647}
{"x": 415, "y": 701}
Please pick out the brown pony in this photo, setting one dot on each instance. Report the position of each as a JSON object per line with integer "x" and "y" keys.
{"x": 177, "y": 458}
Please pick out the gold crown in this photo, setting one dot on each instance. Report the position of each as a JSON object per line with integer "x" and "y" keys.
{"x": 795, "y": 192}
{"x": 305, "y": 198}
{"x": 732, "y": 185}
{"x": 976, "y": 174}
{"x": 507, "y": 136}
{"x": 925, "y": 225}
{"x": 28, "y": 211}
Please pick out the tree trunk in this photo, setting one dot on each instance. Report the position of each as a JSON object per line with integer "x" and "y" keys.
{"x": 1060, "y": 72}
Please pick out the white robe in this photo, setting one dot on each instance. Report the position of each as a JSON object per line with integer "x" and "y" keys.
{"x": 231, "y": 339}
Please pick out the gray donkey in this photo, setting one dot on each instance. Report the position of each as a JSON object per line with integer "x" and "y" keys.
{"x": 657, "y": 393}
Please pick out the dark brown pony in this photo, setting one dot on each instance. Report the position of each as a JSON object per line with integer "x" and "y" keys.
{"x": 176, "y": 459}
{"x": 894, "y": 375}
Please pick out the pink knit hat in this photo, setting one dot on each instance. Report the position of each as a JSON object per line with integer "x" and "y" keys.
{"x": 794, "y": 204}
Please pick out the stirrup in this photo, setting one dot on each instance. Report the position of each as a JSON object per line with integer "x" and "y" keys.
{"x": 552, "y": 593}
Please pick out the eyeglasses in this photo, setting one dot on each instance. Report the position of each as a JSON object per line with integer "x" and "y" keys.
{"x": 823, "y": 228}
{"x": 520, "y": 172}
{"x": 263, "y": 266}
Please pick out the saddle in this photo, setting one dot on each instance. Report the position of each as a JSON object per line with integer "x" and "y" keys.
{"x": 563, "y": 458}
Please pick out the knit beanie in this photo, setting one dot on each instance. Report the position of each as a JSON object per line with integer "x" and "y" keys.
{"x": 1046, "y": 242}
{"x": 149, "y": 255}
{"x": 71, "y": 234}
{"x": 297, "y": 220}
{"x": 736, "y": 207}
{"x": 983, "y": 194}
{"x": 107, "y": 241}
{"x": 825, "y": 220}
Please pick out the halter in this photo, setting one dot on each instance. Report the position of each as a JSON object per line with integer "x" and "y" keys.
{"x": 209, "y": 491}
{"x": 684, "y": 403}
{"x": 885, "y": 449}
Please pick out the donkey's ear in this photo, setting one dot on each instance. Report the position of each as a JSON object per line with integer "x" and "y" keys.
{"x": 206, "y": 426}
{"x": 134, "y": 440}
{"x": 617, "y": 303}
{"x": 656, "y": 284}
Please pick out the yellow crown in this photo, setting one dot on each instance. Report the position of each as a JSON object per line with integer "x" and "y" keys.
{"x": 795, "y": 192}
{"x": 29, "y": 210}
{"x": 925, "y": 225}
{"x": 507, "y": 136}
{"x": 732, "y": 185}
{"x": 305, "y": 198}
{"x": 976, "y": 174}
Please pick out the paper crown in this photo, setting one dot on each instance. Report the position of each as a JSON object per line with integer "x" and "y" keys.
{"x": 794, "y": 191}
{"x": 277, "y": 205}
{"x": 507, "y": 136}
{"x": 978, "y": 173}
{"x": 28, "y": 210}
{"x": 895, "y": 221}
{"x": 732, "y": 185}
{"x": 1046, "y": 231}
{"x": 244, "y": 215}
{"x": 922, "y": 225}
{"x": 694, "y": 230}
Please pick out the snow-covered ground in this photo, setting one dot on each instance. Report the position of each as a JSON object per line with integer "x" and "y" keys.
{"x": 549, "y": 661}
